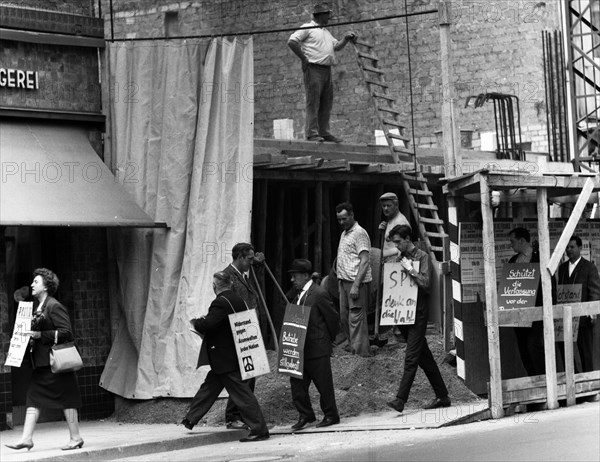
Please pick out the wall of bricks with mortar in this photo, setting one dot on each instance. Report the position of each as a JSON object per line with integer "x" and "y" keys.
{"x": 496, "y": 46}
{"x": 67, "y": 77}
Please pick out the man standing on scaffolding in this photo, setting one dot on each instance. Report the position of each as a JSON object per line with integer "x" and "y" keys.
{"x": 316, "y": 47}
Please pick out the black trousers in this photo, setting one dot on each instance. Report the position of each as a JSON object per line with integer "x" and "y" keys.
{"x": 232, "y": 413}
{"x": 239, "y": 391}
{"x": 530, "y": 341}
{"x": 585, "y": 343}
{"x": 318, "y": 371}
{"x": 418, "y": 355}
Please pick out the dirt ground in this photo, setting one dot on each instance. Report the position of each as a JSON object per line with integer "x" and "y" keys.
{"x": 362, "y": 385}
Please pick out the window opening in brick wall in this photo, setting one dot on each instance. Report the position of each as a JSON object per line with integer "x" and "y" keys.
{"x": 172, "y": 24}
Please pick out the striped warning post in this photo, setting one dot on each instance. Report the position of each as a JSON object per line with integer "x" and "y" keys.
{"x": 453, "y": 232}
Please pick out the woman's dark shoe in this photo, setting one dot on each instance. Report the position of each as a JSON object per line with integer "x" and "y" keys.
{"x": 20, "y": 446}
{"x": 71, "y": 446}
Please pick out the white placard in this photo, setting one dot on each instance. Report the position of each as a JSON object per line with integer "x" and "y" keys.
{"x": 249, "y": 344}
{"x": 19, "y": 342}
{"x": 399, "y": 301}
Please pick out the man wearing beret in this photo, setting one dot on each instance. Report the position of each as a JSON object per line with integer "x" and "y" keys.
{"x": 323, "y": 325}
{"x": 316, "y": 47}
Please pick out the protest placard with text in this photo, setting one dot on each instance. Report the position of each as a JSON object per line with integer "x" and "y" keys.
{"x": 249, "y": 344}
{"x": 399, "y": 301}
{"x": 19, "y": 342}
{"x": 291, "y": 341}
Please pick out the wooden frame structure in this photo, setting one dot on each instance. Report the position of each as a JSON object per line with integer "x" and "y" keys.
{"x": 551, "y": 387}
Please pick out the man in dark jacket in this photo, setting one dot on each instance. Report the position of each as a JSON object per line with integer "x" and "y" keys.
{"x": 323, "y": 325}
{"x": 218, "y": 350}
{"x": 578, "y": 270}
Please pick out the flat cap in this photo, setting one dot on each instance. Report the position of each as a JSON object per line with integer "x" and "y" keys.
{"x": 389, "y": 196}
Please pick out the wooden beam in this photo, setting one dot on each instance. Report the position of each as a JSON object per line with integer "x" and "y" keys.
{"x": 304, "y": 221}
{"x": 528, "y": 315}
{"x": 327, "y": 257}
{"x": 318, "y": 248}
{"x": 49, "y": 38}
{"x": 569, "y": 228}
{"x": 569, "y": 362}
{"x": 261, "y": 235}
{"x": 491, "y": 304}
{"x": 544, "y": 249}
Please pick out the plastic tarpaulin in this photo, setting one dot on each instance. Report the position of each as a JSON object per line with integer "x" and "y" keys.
{"x": 181, "y": 115}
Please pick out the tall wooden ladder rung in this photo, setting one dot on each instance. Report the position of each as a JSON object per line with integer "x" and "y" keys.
{"x": 375, "y": 70}
{"x": 367, "y": 56}
{"x": 391, "y": 110}
{"x": 420, "y": 192}
{"x": 379, "y": 84}
{"x": 377, "y": 94}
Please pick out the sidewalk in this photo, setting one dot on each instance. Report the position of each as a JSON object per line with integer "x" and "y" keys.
{"x": 114, "y": 440}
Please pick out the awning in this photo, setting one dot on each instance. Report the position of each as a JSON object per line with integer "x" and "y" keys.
{"x": 51, "y": 176}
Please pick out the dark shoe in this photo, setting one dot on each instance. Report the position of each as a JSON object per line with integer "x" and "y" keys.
{"x": 251, "y": 438}
{"x": 69, "y": 447}
{"x": 397, "y": 404}
{"x": 187, "y": 424}
{"x": 20, "y": 446}
{"x": 438, "y": 402}
{"x": 328, "y": 421}
{"x": 333, "y": 139}
{"x": 302, "y": 422}
{"x": 237, "y": 425}
{"x": 320, "y": 139}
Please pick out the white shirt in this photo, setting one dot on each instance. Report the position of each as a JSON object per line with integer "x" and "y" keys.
{"x": 317, "y": 44}
{"x": 388, "y": 245}
{"x": 573, "y": 265}
{"x": 304, "y": 290}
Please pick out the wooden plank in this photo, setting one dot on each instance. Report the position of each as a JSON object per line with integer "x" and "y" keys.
{"x": 367, "y": 56}
{"x": 327, "y": 257}
{"x": 318, "y": 247}
{"x": 561, "y": 246}
{"x": 569, "y": 362}
{"x": 377, "y": 94}
{"x": 426, "y": 206}
{"x": 433, "y": 221}
{"x": 528, "y": 315}
{"x": 304, "y": 221}
{"x": 379, "y": 84}
{"x": 261, "y": 237}
{"x": 262, "y": 159}
{"x": 544, "y": 249}
{"x": 420, "y": 192}
{"x": 50, "y": 38}
{"x": 373, "y": 69}
{"x": 491, "y": 303}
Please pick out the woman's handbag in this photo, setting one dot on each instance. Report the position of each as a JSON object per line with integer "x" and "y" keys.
{"x": 64, "y": 357}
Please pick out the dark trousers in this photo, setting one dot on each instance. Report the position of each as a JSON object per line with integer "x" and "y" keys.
{"x": 239, "y": 391}
{"x": 319, "y": 99}
{"x": 585, "y": 343}
{"x": 417, "y": 355}
{"x": 232, "y": 413}
{"x": 318, "y": 371}
{"x": 530, "y": 341}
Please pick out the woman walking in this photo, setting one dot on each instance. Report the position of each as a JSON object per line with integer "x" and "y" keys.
{"x": 50, "y": 325}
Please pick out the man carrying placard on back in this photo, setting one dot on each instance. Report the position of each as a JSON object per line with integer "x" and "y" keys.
{"x": 323, "y": 325}
{"x": 418, "y": 353}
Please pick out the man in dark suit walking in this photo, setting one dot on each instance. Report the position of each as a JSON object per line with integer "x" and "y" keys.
{"x": 218, "y": 350}
{"x": 323, "y": 326}
{"x": 578, "y": 270}
{"x": 238, "y": 270}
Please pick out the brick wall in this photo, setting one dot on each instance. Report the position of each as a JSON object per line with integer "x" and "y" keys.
{"x": 67, "y": 76}
{"x": 496, "y": 47}
{"x": 80, "y": 7}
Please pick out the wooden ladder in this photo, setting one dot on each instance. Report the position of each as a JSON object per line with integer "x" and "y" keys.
{"x": 425, "y": 212}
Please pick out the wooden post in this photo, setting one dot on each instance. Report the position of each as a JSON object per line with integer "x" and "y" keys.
{"x": 261, "y": 234}
{"x": 379, "y": 190}
{"x": 569, "y": 364}
{"x": 304, "y": 221}
{"x": 491, "y": 301}
{"x": 327, "y": 258}
{"x": 279, "y": 229}
{"x": 451, "y": 138}
{"x": 318, "y": 227}
{"x": 347, "y": 190}
{"x": 549, "y": 350}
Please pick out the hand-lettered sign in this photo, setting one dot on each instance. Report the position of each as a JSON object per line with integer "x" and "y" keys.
{"x": 565, "y": 294}
{"x": 291, "y": 340}
{"x": 518, "y": 285}
{"x": 399, "y": 301}
{"x": 249, "y": 344}
{"x": 19, "y": 341}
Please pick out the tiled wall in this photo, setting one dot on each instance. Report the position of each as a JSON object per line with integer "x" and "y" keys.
{"x": 78, "y": 256}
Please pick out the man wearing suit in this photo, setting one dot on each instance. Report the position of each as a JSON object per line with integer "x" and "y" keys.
{"x": 578, "y": 270}
{"x": 218, "y": 350}
{"x": 243, "y": 257}
{"x": 323, "y": 325}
